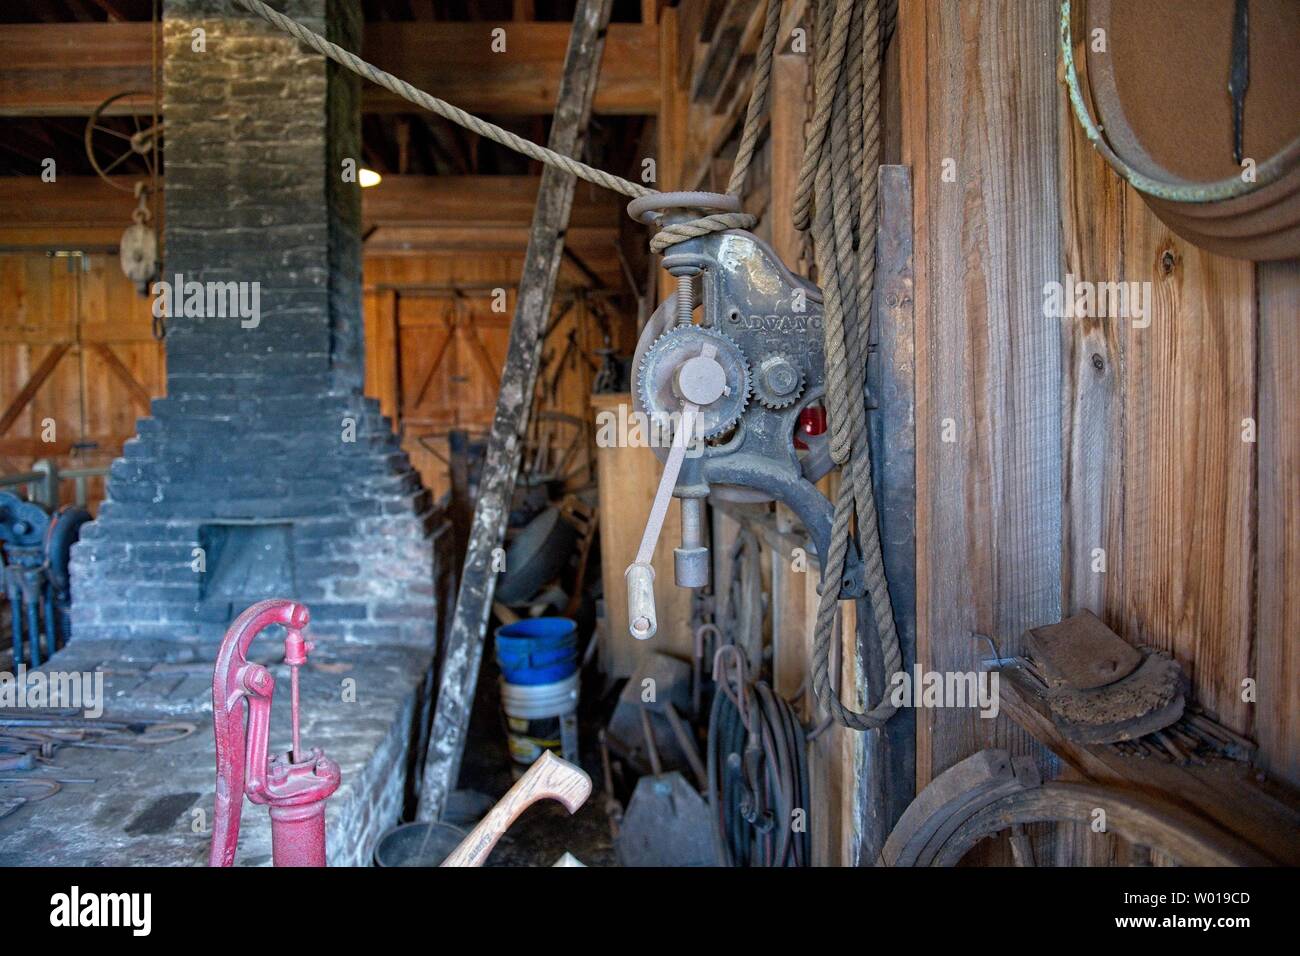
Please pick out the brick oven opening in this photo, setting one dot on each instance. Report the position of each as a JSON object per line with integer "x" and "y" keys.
{"x": 244, "y": 562}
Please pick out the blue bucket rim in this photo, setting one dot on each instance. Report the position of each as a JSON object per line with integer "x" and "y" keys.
{"x": 534, "y": 628}
{"x": 541, "y": 650}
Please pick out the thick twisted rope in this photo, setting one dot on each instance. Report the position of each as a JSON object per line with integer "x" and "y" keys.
{"x": 840, "y": 207}
{"x": 441, "y": 107}
{"x": 669, "y": 235}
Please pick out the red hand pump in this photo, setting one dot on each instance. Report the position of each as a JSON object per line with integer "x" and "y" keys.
{"x": 292, "y": 785}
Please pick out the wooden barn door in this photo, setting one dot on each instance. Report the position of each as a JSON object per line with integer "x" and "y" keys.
{"x": 434, "y": 361}
{"x": 78, "y": 362}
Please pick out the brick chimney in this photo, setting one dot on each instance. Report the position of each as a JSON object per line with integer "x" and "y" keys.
{"x": 264, "y": 472}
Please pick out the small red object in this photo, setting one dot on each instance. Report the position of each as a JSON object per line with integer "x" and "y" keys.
{"x": 294, "y": 788}
{"x": 812, "y": 421}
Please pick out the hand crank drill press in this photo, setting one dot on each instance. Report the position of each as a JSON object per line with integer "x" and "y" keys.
{"x": 294, "y": 785}
{"x": 742, "y": 392}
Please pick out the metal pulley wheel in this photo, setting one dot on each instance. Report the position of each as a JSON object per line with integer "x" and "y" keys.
{"x": 138, "y": 249}
{"x": 107, "y": 148}
{"x": 1197, "y": 107}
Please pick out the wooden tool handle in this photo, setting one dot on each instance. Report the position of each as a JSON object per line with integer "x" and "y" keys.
{"x": 548, "y": 777}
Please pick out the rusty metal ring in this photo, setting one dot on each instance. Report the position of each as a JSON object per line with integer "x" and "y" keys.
{"x": 649, "y": 209}
{"x": 1233, "y": 187}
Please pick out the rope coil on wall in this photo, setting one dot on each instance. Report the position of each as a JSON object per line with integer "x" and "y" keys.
{"x": 836, "y": 201}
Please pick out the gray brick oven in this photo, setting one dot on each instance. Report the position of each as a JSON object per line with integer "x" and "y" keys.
{"x": 264, "y": 454}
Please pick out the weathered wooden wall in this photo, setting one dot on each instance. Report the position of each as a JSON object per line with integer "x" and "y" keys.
{"x": 435, "y": 346}
{"x": 1042, "y": 440}
{"x": 48, "y": 305}
{"x": 1083, "y": 439}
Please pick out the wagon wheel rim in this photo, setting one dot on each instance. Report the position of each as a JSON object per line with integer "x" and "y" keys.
{"x": 140, "y": 143}
{"x": 1141, "y": 821}
{"x": 574, "y": 459}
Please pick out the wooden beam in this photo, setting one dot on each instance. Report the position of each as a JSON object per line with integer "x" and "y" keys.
{"x": 463, "y": 651}
{"x": 49, "y": 69}
{"x": 470, "y": 238}
{"x": 476, "y": 200}
{"x": 455, "y": 61}
{"x": 721, "y": 51}
{"x": 45, "y": 69}
{"x": 27, "y": 202}
{"x": 1277, "y": 656}
{"x": 139, "y": 394}
{"x": 988, "y": 365}
{"x": 398, "y": 200}
{"x": 33, "y": 385}
{"x": 408, "y": 213}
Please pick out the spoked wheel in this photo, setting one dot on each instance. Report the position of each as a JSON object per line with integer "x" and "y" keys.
{"x": 108, "y": 147}
{"x": 557, "y": 449}
{"x": 989, "y": 794}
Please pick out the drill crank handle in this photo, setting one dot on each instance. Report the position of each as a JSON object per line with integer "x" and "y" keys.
{"x": 549, "y": 777}
{"x": 642, "y": 619}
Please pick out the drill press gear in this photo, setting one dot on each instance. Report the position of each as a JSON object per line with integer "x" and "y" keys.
{"x": 673, "y": 363}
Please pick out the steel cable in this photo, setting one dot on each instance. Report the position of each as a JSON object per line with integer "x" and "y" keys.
{"x": 757, "y": 771}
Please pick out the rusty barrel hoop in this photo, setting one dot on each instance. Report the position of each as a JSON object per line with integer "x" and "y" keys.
{"x": 1257, "y": 219}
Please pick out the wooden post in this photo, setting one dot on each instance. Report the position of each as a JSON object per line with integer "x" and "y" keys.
{"x": 887, "y": 758}
{"x": 463, "y": 651}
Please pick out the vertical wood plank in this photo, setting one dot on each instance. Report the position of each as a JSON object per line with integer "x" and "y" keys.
{"x": 1277, "y": 652}
{"x": 382, "y": 360}
{"x": 627, "y": 478}
{"x": 1092, "y": 211}
{"x": 979, "y": 91}
{"x": 789, "y": 75}
{"x": 1188, "y": 561}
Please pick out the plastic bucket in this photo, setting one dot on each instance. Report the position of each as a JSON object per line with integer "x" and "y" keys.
{"x": 541, "y": 717}
{"x": 537, "y": 650}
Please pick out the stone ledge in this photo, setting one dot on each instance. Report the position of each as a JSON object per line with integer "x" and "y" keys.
{"x": 141, "y": 808}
